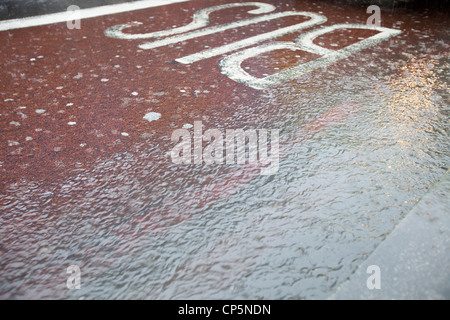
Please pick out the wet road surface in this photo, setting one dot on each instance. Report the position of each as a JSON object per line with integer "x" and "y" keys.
{"x": 87, "y": 179}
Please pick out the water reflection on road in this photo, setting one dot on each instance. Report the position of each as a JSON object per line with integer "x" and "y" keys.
{"x": 139, "y": 228}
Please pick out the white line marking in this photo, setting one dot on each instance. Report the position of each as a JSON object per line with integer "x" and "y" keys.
{"x": 84, "y": 14}
{"x": 211, "y": 30}
{"x": 200, "y": 19}
{"x": 231, "y": 65}
{"x": 315, "y": 19}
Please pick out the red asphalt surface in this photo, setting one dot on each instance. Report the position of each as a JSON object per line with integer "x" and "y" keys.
{"x": 103, "y": 110}
{"x": 49, "y": 168}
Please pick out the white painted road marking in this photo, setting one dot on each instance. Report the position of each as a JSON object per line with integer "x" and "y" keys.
{"x": 315, "y": 19}
{"x": 231, "y": 65}
{"x": 216, "y": 29}
{"x": 200, "y": 19}
{"x": 83, "y": 14}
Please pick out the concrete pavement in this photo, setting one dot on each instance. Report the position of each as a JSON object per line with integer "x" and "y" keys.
{"x": 414, "y": 260}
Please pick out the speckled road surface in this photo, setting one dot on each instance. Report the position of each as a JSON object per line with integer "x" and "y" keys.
{"x": 87, "y": 179}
